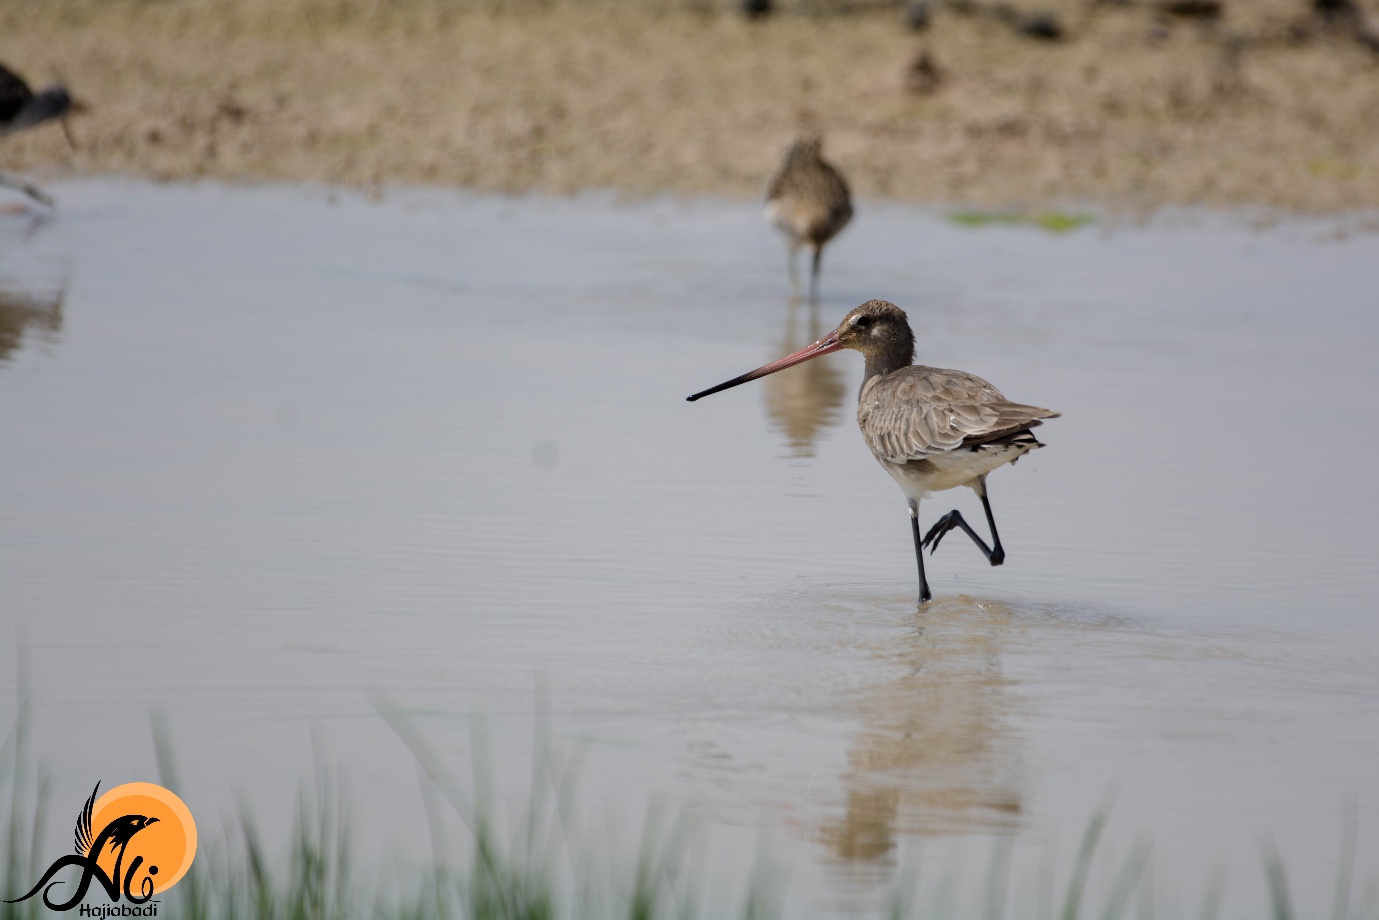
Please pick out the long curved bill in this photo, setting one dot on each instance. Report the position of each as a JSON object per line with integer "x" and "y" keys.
{"x": 825, "y": 345}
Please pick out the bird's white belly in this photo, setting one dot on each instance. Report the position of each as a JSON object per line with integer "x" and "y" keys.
{"x": 781, "y": 215}
{"x": 949, "y": 470}
{"x": 801, "y": 220}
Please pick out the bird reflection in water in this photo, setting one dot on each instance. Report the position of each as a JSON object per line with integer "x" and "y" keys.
{"x": 24, "y": 312}
{"x": 805, "y": 400}
{"x": 936, "y": 753}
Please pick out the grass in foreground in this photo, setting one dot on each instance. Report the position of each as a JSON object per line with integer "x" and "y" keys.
{"x": 541, "y": 866}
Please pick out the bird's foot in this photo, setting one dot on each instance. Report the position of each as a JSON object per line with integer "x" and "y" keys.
{"x": 953, "y": 520}
{"x": 950, "y": 521}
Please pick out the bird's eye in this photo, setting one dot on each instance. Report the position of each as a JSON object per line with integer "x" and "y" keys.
{"x": 862, "y": 322}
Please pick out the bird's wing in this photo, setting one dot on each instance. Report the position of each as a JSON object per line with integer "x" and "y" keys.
{"x": 836, "y": 184}
{"x": 14, "y": 94}
{"x": 838, "y": 200}
{"x": 922, "y": 411}
{"x": 84, "y": 838}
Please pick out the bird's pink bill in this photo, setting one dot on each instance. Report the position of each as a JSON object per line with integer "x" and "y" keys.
{"x": 825, "y": 345}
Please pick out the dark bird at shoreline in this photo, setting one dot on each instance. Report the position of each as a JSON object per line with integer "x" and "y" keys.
{"x": 21, "y": 108}
{"x": 808, "y": 200}
{"x": 922, "y": 76}
{"x": 930, "y": 428}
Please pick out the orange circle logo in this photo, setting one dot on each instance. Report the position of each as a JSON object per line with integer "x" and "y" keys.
{"x": 166, "y": 839}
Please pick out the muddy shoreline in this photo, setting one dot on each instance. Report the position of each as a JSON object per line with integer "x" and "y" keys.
{"x": 1130, "y": 110}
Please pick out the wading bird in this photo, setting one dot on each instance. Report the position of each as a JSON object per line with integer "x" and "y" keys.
{"x": 809, "y": 202}
{"x": 931, "y": 429}
{"x": 20, "y": 108}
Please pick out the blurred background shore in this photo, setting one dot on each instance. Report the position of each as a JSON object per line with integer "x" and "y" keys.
{"x": 1272, "y": 103}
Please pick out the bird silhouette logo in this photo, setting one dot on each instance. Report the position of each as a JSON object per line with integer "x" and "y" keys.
{"x": 145, "y": 844}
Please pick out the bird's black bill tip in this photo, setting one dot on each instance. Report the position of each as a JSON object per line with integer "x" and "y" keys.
{"x": 725, "y": 385}
{"x": 709, "y": 392}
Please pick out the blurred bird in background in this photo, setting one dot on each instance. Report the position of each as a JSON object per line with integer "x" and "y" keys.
{"x": 808, "y": 201}
{"x": 21, "y": 107}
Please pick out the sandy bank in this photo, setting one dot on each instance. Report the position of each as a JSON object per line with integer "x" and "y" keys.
{"x": 1130, "y": 110}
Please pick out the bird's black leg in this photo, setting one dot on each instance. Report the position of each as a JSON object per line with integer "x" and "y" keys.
{"x": 924, "y": 592}
{"x": 997, "y": 554}
{"x": 994, "y": 554}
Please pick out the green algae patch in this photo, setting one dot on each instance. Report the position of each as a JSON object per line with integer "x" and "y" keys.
{"x": 1053, "y": 221}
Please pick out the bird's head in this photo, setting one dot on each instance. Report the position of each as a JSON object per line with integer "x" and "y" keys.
{"x": 58, "y": 99}
{"x": 876, "y": 327}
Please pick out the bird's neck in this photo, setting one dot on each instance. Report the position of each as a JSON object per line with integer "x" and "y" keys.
{"x": 802, "y": 158}
{"x": 889, "y": 360}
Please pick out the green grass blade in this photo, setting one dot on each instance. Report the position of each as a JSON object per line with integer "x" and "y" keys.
{"x": 1215, "y": 893}
{"x": 1072, "y": 904}
{"x": 1128, "y": 878}
{"x": 1278, "y": 881}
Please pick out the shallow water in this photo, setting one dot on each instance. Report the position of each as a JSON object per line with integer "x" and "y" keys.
{"x": 272, "y": 455}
